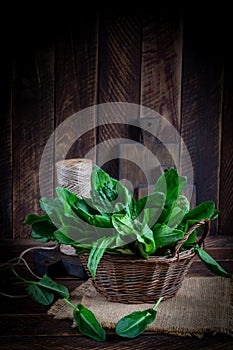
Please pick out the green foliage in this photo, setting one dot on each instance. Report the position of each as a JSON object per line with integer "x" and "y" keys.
{"x": 165, "y": 236}
{"x": 113, "y": 221}
{"x": 47, "y": 282}
{"x": 136, "y": 323}
{"x": 202, "y": 211}
{"x": 211, "y": 264}
{"x": 97, "y": 251}
{"x": 87, "y": 323}
{"x": 42, "y": 291}
{"x": 40, "y": 295}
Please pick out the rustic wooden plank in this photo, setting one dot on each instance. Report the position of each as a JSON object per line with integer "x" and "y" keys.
{"x": 44, "y": 61}
{"x": 33, "y": 124}
{"x": 119, "y": 77}
{"x": 76, "y": 84}
{"x": 18, "y": 305}
{"x": 202, "y": 105}
{"x": 34, "y": 325}
{"x": 220, "y": 254}
{"x": 136, "y": 165}
{"x": 199, "y": 269}
{"x": 161, "y": 88}
{"x": 10, "y": 248}
{"x": 167, "y": 153}
{"x": 119, "y": 58}
{"x": 66, "y": 99}
{"x": 161, "y": 66}
{"x": 226, "y": 183}
{"x": 147, "y": 161}
{"x": 145, "y": 341}
{"x": 6, "y": 110}
{"x": 85, "y": 40}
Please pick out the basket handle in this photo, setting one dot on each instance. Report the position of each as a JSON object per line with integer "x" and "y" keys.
{"x": 205, "y": 233}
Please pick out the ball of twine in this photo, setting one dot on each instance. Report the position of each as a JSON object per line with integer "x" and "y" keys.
{"x": 75, "y": 175}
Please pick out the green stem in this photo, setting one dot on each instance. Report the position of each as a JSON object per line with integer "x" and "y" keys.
{"x": 23, "y": 281}
{"x": 157, "y": 304}
{"x": 71, "y": 304}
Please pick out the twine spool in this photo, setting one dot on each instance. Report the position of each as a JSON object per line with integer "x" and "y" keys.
{"x": 75, "y": 175}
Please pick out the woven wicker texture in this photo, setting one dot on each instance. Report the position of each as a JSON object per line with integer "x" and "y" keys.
{"x": 124, "y": 279}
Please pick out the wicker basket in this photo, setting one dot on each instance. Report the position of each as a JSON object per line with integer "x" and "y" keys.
{"x": 124, "y": 279}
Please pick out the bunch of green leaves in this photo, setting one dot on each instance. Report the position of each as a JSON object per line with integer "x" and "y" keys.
{"x": 44, "y": 290}
{"x": 130, "y": 326}
{"x": 113, "y": 221}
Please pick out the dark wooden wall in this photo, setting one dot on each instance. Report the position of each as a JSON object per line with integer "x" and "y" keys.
{"x": 174, "y": 61}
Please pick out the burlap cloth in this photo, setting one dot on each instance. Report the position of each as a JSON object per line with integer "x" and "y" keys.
{"x": 202, "y": 305}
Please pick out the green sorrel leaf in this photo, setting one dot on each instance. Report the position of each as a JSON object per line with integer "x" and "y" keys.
{"x": 88, "y": 324}
{"x": 47, "y": 282}
{"x": 165, "y": 236}
{"x": 135, "y": 323}
{"x": 43, "y": 230}
{"x": 211, "y": 264}
{"x": 203, "y": 211}
{"x": 40, "y": 295}
{"x": 96, "y": 253}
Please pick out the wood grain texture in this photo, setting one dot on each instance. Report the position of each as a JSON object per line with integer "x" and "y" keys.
{"x": 33, "y": 124}
{"x": 150, "y": 58}
{"x": 6, "y": 106}
{"x": 114, "y": 342}
{"x": 35, "y": 325}
{"x": 161, "y": 65}
{"x": 119, "y": 75}
{"x": 161, "y": 88}
{"x": 76, "y": 82}
{"x": 69, "y": 341}
{"x": 142, "y": 164}
{"x": 136, "y": 164}
{"x": 226, "y": 179}
{"x": 201, "y": 107}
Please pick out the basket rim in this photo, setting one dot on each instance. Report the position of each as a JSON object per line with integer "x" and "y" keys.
{"x": 151, "y": 259}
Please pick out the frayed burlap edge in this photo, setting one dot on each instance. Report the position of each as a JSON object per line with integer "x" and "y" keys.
{"x": 202, "y": 305}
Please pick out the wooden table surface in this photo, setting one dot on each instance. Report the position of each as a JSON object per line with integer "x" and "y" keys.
{"x": 25, "y": 324}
